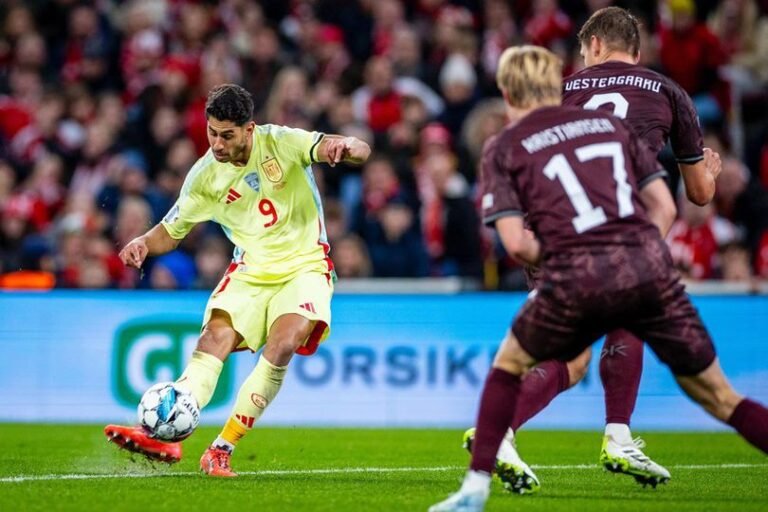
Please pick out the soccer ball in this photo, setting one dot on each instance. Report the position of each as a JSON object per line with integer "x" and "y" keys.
{"x": 168, "y": 412}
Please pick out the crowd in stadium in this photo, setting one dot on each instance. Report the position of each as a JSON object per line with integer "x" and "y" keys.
{"x": 102, "y": 115}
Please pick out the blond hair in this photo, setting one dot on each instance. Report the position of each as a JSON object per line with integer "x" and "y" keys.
{"x": 530, "y": 76}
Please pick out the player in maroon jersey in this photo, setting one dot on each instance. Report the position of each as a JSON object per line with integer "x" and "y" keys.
{"x": 657, "y": 110}
{"x": 592, "y": 194}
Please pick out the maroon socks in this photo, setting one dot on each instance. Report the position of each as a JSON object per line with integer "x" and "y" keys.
{"x": 540, "y": 385}
{"x": 621, "y": 366}
{"x": 750, "y": 419}
{"x": 497, "y": 405}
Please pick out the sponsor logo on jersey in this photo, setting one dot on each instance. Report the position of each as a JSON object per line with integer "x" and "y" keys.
{"x": 252, "y": 179}
{"x": 273, "y": 170}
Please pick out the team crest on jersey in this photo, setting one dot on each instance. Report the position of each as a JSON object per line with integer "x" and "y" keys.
{"x": 273, "y": 170}
{"x": 252, "y": 179}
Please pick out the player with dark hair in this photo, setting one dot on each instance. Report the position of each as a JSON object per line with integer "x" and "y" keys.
{"x": 597, "y": 206}
{"x": 257, "y": 183}
{"x": 657, "y": 110}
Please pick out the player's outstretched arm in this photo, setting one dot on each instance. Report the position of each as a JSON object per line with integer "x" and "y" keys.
{"x": 660, "y": 205}
{"x": 154, "y": 242}
{"x": 519, "y": 242}
{"x": 335, "y": 148}
{"x": 699, "y": 178}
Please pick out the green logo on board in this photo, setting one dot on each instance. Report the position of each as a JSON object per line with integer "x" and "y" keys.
{"x": 151, "y": 349}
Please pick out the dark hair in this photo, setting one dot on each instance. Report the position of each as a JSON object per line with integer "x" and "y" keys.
{"x": 229, "y": 102}
{"x": 614, "y": 25}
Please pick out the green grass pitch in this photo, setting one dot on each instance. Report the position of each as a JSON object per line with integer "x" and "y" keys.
{"x": 52, "y": 467}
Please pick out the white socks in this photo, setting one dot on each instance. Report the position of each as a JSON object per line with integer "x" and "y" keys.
{"x": 476, "y": 482}
{"x": 619, "y": 433}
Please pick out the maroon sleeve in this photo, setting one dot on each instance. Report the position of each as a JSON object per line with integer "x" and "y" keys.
{"x": 685, "y": 133}
{"x": 644, "y": 162}
{"x": 498, "y": 193}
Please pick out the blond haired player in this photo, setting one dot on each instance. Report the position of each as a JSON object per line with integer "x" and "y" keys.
{"x": 257, "y": 183}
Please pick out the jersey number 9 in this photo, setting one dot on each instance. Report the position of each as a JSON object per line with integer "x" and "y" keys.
{"x": 268, "y": 210}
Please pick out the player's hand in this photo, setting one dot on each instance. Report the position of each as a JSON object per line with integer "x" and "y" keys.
{"x": 134, "y": 253}
{"x": 712, "y": 163}
{"x": 350, "y": 149}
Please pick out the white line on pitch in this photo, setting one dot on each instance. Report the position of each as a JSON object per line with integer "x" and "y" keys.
{"x": 327, "y": 471}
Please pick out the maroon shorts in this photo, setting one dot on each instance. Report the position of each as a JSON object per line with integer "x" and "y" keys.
{"x": 592, "y": 294}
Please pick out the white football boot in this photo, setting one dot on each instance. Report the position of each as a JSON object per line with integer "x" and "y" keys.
{"x": 516, "y": 476}
{"x": 629, "y": 459}
{"x": 462, "y": 501}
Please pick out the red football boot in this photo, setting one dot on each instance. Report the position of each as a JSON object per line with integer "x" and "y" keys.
{"x": 135, "y": 439}
{"x": 215, "y": 462}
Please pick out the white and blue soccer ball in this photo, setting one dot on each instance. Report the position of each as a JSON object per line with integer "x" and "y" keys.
{"x": 168, "y": 412}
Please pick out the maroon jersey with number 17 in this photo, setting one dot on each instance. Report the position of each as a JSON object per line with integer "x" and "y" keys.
{"x": 575, "y": 174}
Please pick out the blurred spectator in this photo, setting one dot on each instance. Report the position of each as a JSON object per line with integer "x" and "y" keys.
{"x": 38, "y": 135}
{"x": 165, "y": 126}
{"x": 92, "y": 171}
{"x": 487, "y": 119}
{"x": 695, "y": 240}
{"x": 86, "y": 49}
{"x": 500, "y": 33}
{"x": 452, "y": 31}
{"x": 736, "y": 264}
{"x": 743, "y": 200}
{"x": 405, "y": 52}
{"x": 330, "y": 55}
{"x": 388, "y": 17}
{"x": 211, "y": 261}
{"x": 761, "y": 260}
{"x": 134, "y": 218}
{"x": 457, "y": 85}
{"x": 451, "y": 222}
{"x": 350, "y": 257}
{"x": 7, "y": 181}
{"x": 128, "y": 177}
{"x": 289, "y": 101}
{"x": 395, "y": 242}
{"x": 387, "y": 221}
{"x": 379, "y": 102}
{"x": 692, "y": 56}
{"x": 44, "y": 187}
{"x": 15, "y": 225}
{"x": 173, "y": 271}
{"x": 548, "y": 26}
{"x": 262, "y": 60}
{"x": 335, "y": 220}
{"x": 743, "y": 33}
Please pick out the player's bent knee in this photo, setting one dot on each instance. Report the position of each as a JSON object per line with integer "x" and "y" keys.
{"x": 512, "y": 357}
{"x": 218, "y": 337}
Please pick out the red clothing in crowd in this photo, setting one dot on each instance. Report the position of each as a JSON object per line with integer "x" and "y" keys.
{"x": 546, "y": 28}
{"x": 761, "y": 262}
{"x": 686, "y": 56}
{"x": 695, "y": 248}
{"x": 384, "y": 111}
